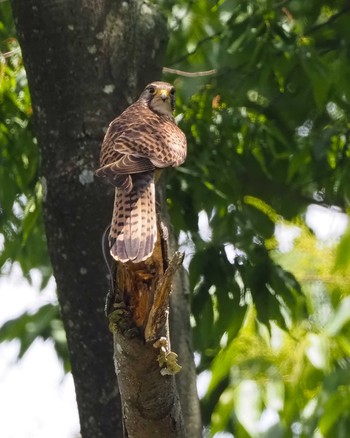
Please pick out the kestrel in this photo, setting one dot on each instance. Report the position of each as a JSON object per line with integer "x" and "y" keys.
{"x": 142, "y": 139}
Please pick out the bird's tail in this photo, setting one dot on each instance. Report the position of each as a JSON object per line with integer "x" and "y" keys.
{"x": 133, "y": 231}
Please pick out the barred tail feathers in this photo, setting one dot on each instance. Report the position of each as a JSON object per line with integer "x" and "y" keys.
{"x": 134, "y": 225}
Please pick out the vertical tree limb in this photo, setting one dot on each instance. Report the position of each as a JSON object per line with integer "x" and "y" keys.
{"x": 154, "y": 402}
{"x": 145, "y": 365}
{"x": 181, "y": 339}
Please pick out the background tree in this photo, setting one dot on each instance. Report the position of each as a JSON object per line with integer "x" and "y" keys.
{"x": 268, "y": 136}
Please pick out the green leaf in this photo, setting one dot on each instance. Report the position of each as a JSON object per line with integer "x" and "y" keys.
{"x": 223, "y": 411}
{"x": 319, "y": 75}
{"x": 342, "y": 260}
{"x": 44, "y": 323}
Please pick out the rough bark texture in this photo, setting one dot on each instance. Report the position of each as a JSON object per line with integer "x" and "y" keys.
{"x": 155, "y": 403}
{"x": 86, "y": 60}
{"x": 144, "y": 362}
{"x": 151, "y": 406}
{"x": 181, "y": 343}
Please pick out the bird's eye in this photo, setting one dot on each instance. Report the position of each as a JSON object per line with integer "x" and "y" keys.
{"x": 152, "y": 90}
{"x": 172, "y": 91}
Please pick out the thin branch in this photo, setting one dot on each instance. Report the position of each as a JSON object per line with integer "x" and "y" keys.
{"x": 329, "y": 21}
{"x": 200, "y": 43}
{"x": 179, "y": 20}
{"x": 281, "y": 4}
{"x": 11, "y": 52}
{"x": 189, "y": 74}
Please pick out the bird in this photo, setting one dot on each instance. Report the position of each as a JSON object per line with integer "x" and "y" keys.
{"x": 141, "y": 140}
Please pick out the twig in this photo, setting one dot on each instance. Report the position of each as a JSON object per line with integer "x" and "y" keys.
{"x": 189, "y": 74}
{"x": 11, "y": 52}
{"x": 200, "y": 43}
{"x": 329, "y": 21}
{"x": 281, "y": 4}
{"x": 179, "y": 20}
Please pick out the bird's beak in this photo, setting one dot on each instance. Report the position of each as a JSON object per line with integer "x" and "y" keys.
{"x": 163, "y": 94}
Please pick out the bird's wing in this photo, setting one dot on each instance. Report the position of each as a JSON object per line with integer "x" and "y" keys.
{"x": 147, "y": 136}
{"x": 125, "y": 165}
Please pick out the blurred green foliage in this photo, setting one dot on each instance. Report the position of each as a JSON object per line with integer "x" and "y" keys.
{"x": 268, "y": 135}
{"x": 45, "y": 323}
{"x": 23, "y": 239}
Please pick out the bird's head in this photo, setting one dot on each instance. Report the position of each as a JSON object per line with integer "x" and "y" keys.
{"x": 160, "y": 97}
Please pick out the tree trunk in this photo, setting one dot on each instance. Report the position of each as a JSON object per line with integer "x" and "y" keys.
{"x": 155, "y": 404}
{"x": 145, "y": 365}
{"x": 86, "y": 60}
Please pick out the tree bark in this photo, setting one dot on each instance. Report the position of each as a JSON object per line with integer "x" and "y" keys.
{"x": 86, "y": 60}
{"x": 145, "y": 364}
{"x": 155, "y": 403}
{"x": 181, "y": 343}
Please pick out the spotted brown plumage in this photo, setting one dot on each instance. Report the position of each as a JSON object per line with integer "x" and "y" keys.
{"x": 142, "y": 139}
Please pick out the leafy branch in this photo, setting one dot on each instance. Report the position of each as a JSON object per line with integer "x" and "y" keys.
{"x": 328, "y": 22}
{"x": 199, "y": 44}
